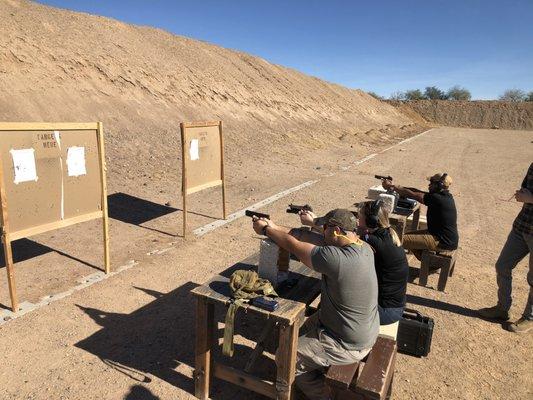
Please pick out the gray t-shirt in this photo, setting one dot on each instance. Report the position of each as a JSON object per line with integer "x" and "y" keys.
{"x": 349, "y": 295}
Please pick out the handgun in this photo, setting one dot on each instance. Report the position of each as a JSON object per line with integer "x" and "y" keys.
{"x": 389, "y": 178}
{"x": 250, "y": 213}
{"x": 294, "y": 209}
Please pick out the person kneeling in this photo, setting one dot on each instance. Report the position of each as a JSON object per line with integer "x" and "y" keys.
{"x": 348, "y": 322}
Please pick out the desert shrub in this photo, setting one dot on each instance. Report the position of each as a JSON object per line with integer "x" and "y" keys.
{"x": 434, "y": 93}
{"x": 513, "y": 95}
{"x": 414, "y": 94}
{"x": 458, "y": 93}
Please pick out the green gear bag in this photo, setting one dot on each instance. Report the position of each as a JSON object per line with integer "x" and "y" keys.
{"x": 244, "y": 286}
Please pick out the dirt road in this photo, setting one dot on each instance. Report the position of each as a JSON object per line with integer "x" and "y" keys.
{"x": 131, "y": 336}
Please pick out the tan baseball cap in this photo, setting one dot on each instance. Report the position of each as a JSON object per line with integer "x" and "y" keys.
{"x": 340, "y": 217}
{"x": 438, "y": 177}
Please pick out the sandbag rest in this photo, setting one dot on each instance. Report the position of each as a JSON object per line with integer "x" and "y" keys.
{"x": 433, "y": 260}
{"x": 370, "y": 379}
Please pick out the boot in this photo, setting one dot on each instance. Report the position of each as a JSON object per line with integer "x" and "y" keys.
{"x": 523, "y": 325}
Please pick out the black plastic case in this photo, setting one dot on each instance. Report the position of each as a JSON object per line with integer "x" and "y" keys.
{"x": 415, "y": 333}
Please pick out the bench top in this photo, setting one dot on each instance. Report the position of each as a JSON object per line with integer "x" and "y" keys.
{"x": 292, "y": 302}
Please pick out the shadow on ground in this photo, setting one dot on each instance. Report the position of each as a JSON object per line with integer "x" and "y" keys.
{"x": 157, "y": 338}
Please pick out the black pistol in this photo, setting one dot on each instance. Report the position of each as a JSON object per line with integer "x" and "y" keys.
{"x": 294, "y": 209}
{"x": 383, "y": 177}
{"x": 251, "y": 214}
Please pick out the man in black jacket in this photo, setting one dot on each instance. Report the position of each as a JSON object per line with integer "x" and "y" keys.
{"x": 441, "y": 233}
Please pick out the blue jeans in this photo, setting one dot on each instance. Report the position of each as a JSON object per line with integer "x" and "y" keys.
{"x": 389, "y": 315}
{"x": 517, "y": 247}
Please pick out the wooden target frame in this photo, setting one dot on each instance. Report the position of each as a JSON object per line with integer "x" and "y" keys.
{"x": 202, "y": 161}
{"x": 48, "y": 145}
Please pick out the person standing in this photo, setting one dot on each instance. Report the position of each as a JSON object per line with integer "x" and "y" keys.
{"x": 518, "y": 245}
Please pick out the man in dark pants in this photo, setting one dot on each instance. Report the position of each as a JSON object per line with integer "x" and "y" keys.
{"x": 519, "y": 244}
{"x": 441, "y": 216}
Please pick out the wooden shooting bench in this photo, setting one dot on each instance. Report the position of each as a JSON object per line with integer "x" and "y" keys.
{"x": 288, "y": 318}
{"x": 399, "y": 221}
{"x": 369, "y": 379}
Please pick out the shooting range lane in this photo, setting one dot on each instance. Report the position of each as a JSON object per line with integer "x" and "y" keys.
{"x": 156, "y": 307}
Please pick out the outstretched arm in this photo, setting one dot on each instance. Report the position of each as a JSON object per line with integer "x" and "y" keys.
{"x": 287, "y": 242}
{"x": 412, "y": 193}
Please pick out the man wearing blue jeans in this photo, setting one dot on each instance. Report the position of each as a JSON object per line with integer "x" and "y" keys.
{"x": 519, "y": 244}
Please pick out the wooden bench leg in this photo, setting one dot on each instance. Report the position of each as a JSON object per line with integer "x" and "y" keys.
{"x": 204, "y": 340}
{"x": 286, "y": 360}
{"x": 443, "y": 277}
{"x": 452, "y": 268}
{"x": 424, "y": 269}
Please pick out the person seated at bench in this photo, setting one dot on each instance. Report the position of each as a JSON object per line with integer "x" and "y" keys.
{"x": 347, "y": 322}
{"x": 390, "y": 260}
{"x": 441, "y": 233}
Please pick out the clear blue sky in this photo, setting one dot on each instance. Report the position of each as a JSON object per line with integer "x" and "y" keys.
{"x": 382, "y": 46}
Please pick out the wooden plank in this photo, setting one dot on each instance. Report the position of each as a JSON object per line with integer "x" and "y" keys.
{"x": 103, "y": 183}
{"x": 47, "y": 126}
{"x": 222, "y": 174}
{"x": 286, "y": 360}
{"x": 204, "y": 341}
{"x": 240, "y": 378}
{"x": 377, "y": 373}
{"x": 55, "y": 225}
{"x": 183, "y": 179}
{"x": 341, "y": 376}
{"x": 204, "y": 186}
{"x": 201, "y": 124}
{"x": 416, "y": 218}
{"x": 424, "y": 268}
{"x": 6, "y": 241}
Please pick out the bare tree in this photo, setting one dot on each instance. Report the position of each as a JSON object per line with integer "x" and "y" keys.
{"x": 513, "y": 95}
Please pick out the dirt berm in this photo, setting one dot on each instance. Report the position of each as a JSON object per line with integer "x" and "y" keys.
{"x": 57, "y": 65}
{"x": 472, "y": 114}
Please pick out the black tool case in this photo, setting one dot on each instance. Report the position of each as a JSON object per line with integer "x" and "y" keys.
{"x": 414, "y": 333}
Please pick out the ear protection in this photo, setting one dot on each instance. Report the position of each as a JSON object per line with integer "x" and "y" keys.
{"x": 357, "y": 242}
{"x": 372, "y": 220}
{"x": 441, "y": 181}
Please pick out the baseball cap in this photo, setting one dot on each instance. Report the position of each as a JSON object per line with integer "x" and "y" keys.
{"x": 344, "y": 219}
{"x": 437, "y": 177}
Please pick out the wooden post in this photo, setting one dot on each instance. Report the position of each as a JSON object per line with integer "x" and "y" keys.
{"x": 183, "y": 178}
{"x": 222, "y": 176}
{"x": 416, "y": 219}
{"x": 105, "y": 217}
{"x": 204, "y": 340}
{"x": 8, "y": 255}
{"x": 286, "y": 359}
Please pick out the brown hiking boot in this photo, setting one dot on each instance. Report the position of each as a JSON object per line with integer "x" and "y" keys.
{"x": 523, "y": 325}
{"x": 495, "y": 312}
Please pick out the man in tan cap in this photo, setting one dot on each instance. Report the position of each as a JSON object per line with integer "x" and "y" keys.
{"x": 348, "y": 322}
{"x": 441, "y": 233}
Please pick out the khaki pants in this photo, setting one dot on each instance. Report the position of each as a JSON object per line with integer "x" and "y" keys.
{"x": 316, "y": 352}
{"x": 416, "y": 241}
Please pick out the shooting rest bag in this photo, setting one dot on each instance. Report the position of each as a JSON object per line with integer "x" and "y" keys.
{"x": 244, "y": 286}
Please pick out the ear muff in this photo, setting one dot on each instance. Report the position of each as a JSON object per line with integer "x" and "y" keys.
{"x": 372, "y": 220}
{"x": 441, "y": 182}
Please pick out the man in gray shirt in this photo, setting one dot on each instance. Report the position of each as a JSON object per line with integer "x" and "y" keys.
{"x": 348, "y": 323}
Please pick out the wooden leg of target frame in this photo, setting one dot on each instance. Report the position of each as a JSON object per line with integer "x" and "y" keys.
{"x": 10, "y": 272}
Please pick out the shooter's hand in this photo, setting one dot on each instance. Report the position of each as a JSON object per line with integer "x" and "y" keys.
{"x": 524, "y": 196}
{"x": 387, "y": 184}
{"x": 307, "y": 217}
{"x": 260, "y": 223}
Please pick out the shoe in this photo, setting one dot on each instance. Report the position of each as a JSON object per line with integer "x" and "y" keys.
{"x": 523, "y": 325}
{"x": 495, "y": 312}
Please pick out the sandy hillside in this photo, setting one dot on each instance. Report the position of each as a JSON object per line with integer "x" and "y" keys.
{"x": 473, "y": 114}
{"x": 57, "y": 65}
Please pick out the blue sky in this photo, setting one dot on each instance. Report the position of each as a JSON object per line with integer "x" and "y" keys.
{"x": 381, "y": 46}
